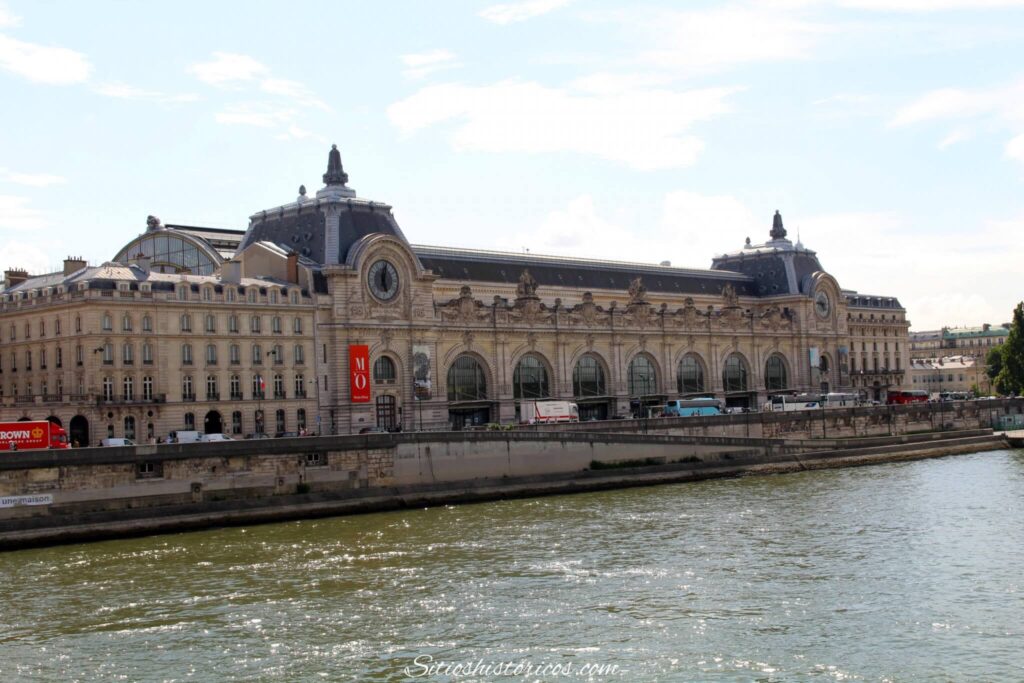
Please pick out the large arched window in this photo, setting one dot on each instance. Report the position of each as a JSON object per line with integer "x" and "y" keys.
{"x": 466, "y": 380}
{"x": 643, "y": 378}
{"x": 775, "y": 374}
{"x": 384, "y": 370}
{"x": 172, "y": 252}
{"x": 734, "y": 374}
{"x": 588, "y": 377}
{"x": 690, "y": 375}
{"x": 530, "y": 378}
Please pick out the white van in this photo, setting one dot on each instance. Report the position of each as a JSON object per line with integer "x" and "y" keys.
{"x": 215, "y": 437}
{"x": 183, "y": 436}
{"x": 111, "y": 441}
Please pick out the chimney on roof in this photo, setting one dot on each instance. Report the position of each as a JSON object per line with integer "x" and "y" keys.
{"x": 143, "y": 262}
{"x": 15, "y": 276}
{"x": 73, "y": 264}
{"x": 231, "y": 272}
{"x": 292, "y": 274}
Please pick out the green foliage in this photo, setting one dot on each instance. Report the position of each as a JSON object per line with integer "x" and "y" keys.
{"x": 1010, "y": 379}
{"x": 994, "y": 361}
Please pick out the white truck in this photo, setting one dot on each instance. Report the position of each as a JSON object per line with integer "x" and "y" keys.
{"x": 546, "y": 412}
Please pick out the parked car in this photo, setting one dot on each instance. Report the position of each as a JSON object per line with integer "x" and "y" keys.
{"x": 215, "y": 437}
{"x": 374, "y": 430}
{"x": 184, "y": 436}
{"x": 258, "y": 435}
{"x": 112, "y": 441}
{"x": 286, "y": 435}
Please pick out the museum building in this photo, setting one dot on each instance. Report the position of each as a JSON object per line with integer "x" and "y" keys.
{"x": 322, "y": 317}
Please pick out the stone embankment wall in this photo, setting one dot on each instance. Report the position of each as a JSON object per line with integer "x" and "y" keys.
{"x": 832, "y": 423}
{"x": 64, "y": 494}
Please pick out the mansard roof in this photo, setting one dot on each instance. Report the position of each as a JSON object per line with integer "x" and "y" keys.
{"x": 474, "y": 265}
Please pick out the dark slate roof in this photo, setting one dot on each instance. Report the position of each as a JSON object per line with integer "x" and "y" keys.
{"x": 301, "y": 230}
{"x": 302, "y": 227}
{"x": 858, "y": 300}
{"x": 466, "y": 265}
{"x": 767, "y": 270}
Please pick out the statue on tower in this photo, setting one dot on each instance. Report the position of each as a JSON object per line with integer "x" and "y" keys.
{"x": 335, "y": 174}
{"x": 778, "y": 232}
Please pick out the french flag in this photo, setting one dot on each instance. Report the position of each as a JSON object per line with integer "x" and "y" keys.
{"x": 263, "y": 385}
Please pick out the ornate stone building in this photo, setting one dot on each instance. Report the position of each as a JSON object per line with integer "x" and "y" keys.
{"x": 443, "y": 337}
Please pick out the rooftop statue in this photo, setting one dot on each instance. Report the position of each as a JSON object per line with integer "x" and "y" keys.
{"x": 335, "y": 174}
{"x": 778, "y": 232}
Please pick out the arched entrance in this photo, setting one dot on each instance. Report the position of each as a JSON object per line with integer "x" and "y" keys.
{"x": 55, "y": 420}
{"x": 467, "y": 394}
{"x": 213, "y": 424}
{"x": 79, "y": 435}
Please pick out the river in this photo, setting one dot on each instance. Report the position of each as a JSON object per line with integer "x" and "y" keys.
{"x": 899, "y": 572}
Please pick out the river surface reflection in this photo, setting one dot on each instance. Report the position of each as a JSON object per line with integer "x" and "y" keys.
{"x": 902, "y": 572}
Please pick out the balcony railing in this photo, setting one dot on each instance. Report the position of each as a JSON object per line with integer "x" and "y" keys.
{"x": 280, "y": 394}
{"x": 212, "y": 396}
{"x": 236, "y": 396}
{"x": 258, "y": 395}
{"x": 188, "y": 397}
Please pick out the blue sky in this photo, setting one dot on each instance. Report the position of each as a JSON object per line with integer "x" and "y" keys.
{"x": 890, "y": 134}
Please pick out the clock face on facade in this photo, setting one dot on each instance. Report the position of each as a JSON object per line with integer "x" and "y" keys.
{"x": 383, "y": 280}
{"x": 822, "y": 305}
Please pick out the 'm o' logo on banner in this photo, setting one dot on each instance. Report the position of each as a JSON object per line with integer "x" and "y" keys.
{"x": 359, "y": 372}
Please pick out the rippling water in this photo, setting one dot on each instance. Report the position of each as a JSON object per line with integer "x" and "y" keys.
{"x": 903, "y": 572}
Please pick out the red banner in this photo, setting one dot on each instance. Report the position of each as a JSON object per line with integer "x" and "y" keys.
{"x": 359, "y": 372}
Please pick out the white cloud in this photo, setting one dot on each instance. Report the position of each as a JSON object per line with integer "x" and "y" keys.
{"x": 512, "y": 12}
{"x": 228, "y": 68}
{"x": 1015, "y": 148}
{"x": 129, "y": 92}
{"x": 421, "y": 64}
{"x": 928, "y": 5}
{"x": 33, "y": 256}
{"x": 693, "y": 228}
{"x": 643, "y": 128}
{"x": 15, "y": 214}
{"x": 700, "y": 40}
{"x": 1003, "y": 105}
{"x": 954, "y": 137}
{"x": 256, "y": 114}
{"x": 43, "y": 63}
{"x": 7, "y": 19}
{"x": 30, "y": 179}
{"x": 689, "y": 232}
{"x": 293, "y": 90}
{"x": 296, "y": 133}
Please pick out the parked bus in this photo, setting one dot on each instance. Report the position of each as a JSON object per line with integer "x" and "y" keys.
{"x": 840, "y": 400}
{"x": 897, "y": 397}
{"x": 787, "y": 402}
{"x": 689, "y": 407}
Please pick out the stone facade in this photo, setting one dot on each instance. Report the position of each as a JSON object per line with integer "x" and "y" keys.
{"x": 454, "y": 337}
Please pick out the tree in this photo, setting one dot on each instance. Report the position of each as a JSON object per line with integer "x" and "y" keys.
{"x": 994, "y": 361}
{"x": 1010, "y": 379}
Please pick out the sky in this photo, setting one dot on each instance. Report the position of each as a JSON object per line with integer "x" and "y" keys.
{"x": 889, "y": 133}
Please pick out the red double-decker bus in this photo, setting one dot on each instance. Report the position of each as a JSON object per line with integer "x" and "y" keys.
{"x": 913, "y": 396}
